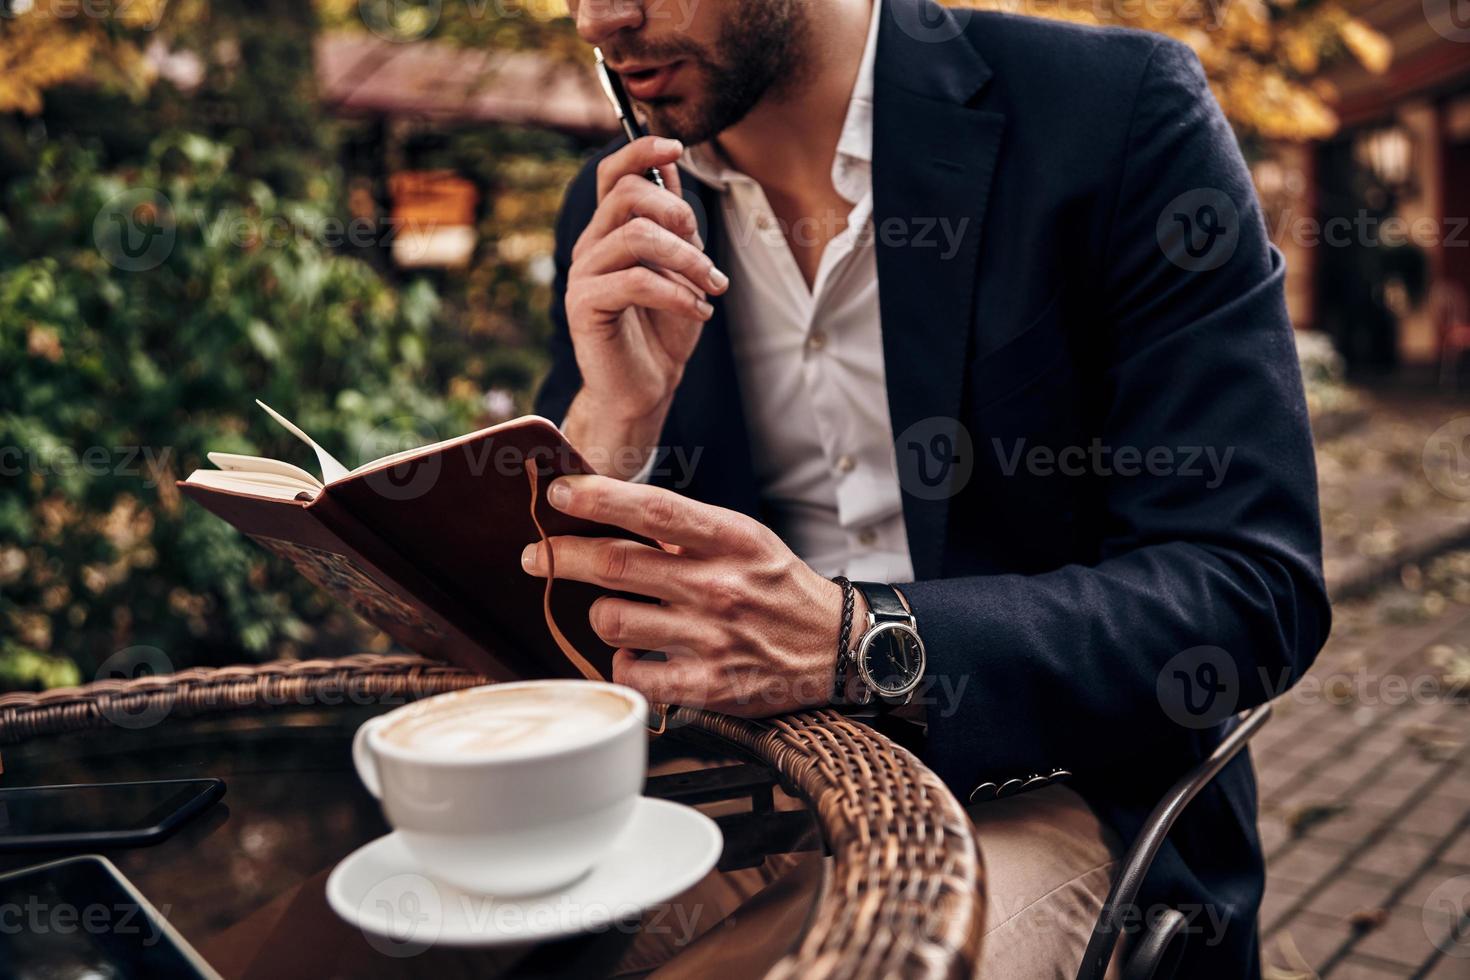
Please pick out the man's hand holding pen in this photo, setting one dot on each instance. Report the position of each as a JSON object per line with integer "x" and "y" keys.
{"x": 636, "y": 300}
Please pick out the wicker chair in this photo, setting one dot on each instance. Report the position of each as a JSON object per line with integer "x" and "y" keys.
{"x": 1157, "y": 952}
{"x": 902, "y": 895}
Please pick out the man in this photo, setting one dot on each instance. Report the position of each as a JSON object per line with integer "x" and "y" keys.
{"x": 980, "y": 310}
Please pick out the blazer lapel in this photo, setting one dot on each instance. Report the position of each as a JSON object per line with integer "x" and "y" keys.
{"x": 933, "y": 159}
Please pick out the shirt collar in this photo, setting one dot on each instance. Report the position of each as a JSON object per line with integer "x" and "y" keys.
{"x": 854, "y": 145}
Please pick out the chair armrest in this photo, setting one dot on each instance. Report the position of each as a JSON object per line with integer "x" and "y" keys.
{"x": 1124, "y": 893}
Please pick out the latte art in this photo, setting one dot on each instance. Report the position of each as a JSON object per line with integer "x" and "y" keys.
{"x": 487, "y": 721}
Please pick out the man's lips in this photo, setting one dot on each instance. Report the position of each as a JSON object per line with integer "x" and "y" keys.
{"x": 648, "y": 82}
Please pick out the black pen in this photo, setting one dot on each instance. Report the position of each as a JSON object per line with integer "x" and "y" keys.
{"x": 613, "y": 86}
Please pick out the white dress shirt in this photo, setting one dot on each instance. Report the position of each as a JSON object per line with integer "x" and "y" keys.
{"x": 810, "y": 361}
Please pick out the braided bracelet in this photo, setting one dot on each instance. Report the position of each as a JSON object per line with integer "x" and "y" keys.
{"x": 839, "y": 694}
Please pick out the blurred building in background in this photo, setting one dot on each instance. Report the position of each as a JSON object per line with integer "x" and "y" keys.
{"x": 1375, "y": 220}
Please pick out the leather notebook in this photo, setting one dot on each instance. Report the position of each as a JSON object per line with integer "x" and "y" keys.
{"x": 426, "y": 544}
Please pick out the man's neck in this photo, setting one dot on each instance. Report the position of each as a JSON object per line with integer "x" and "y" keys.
{"x": 787, "y": 142}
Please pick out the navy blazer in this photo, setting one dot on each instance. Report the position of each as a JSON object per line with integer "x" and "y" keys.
{"x": 1110, "y": 492}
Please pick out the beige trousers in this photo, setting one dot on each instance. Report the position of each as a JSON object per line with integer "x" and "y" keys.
{"x": 1048, "y": 866}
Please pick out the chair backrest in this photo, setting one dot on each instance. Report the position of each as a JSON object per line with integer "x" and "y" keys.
{"x": 1135, "y": 864}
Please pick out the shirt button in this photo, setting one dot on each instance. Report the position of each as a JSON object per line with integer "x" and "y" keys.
{"x": 816, "y": 341}
{"x": 845, "y": 463}
{"x": 764, "y": 222}
{"x": 867, "y": 537}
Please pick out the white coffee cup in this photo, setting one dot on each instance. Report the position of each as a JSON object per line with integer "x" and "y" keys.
{"x": 489, "y": 799}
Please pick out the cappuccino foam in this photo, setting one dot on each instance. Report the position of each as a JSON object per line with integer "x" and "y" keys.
{"x": 489, "y": 721}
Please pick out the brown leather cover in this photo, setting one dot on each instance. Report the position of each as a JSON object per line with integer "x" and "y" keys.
{"x": 429, "y": 550}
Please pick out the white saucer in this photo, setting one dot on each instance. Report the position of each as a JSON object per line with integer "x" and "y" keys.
{"x": 401, "y": 911}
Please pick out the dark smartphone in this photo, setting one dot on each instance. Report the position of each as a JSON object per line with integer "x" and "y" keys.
{"x": 79, "y": 917}
{"x": 100, "y": 814}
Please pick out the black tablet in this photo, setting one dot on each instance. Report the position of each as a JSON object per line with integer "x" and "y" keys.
{"x": 79, "y": 917}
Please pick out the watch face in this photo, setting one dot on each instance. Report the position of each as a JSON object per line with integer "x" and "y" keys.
{"x": 891, "y": 659}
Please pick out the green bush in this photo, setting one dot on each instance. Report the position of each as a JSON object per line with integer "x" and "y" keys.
{"x": 141, "y": 312}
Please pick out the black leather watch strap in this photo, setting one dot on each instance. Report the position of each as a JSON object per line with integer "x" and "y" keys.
{"x": 883, "y": 601}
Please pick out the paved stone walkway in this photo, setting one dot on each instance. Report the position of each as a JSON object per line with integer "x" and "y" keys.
{"x": 1365, "y": 769}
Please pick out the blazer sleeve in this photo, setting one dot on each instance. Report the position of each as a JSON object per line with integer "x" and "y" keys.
{"x": 1208, "y": 597}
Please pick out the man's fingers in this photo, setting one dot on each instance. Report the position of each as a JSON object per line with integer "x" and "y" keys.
{"x": 634, "y": 197}
{"x": 643, "y": 625}
{"x": 643, "y": 241}
{"x": 636, "y": 158}
{"x": 654, "y": 512}
{"x": 639, "y": 286}
{"x": 613, "y": 563}
{"x": 682, "y": 678}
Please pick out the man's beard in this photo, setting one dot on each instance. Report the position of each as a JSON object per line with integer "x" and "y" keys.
{"x": 761, "y": 51}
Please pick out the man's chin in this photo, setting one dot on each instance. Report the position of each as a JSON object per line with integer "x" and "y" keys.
{"x": 677, "y": 117}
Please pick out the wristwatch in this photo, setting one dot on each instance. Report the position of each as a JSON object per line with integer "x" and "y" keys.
{"x": 888, "y": 661}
